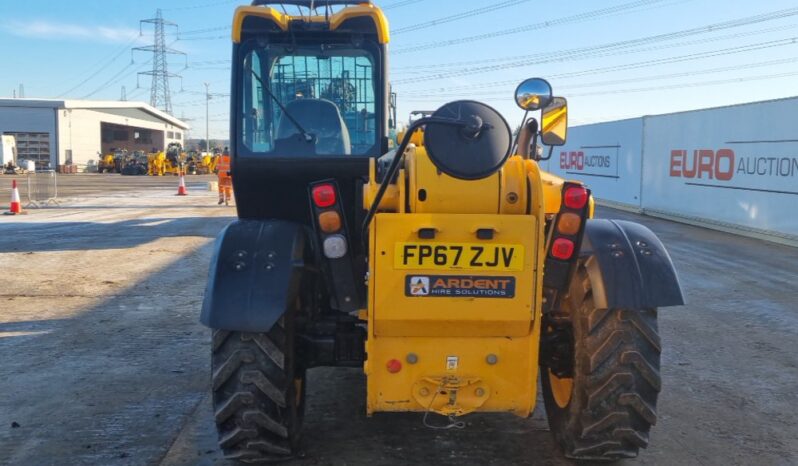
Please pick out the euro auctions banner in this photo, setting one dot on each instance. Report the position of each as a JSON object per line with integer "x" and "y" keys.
{"x": 736, "y": 165}
{"x": 606, "y": 157}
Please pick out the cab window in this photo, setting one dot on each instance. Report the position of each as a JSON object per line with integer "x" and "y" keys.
{"x": 309, "y": 101}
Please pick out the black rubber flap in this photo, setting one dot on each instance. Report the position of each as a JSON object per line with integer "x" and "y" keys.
{"x": 471, "y": 151}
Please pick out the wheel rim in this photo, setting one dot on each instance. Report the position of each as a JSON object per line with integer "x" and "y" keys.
{"x": 561, "y": 389}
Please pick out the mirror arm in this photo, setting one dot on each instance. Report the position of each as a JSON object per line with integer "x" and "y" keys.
{"x": 551, "y": 150}
{"x": 533, "y": 151}
{"x": 520, "y": 128}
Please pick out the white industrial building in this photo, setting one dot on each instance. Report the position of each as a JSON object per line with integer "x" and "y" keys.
{"x": 73, "y": 132}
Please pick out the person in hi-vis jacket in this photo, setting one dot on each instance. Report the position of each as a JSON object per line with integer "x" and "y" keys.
{"x": 225, "y": 180}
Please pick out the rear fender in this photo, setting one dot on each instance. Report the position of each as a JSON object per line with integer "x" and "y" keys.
{"x": 628, "y": 266}
{"x": 255, "y": 275}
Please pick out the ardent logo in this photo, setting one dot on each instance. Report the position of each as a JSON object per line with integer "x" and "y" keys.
{"x": 433, "y": 286}
{"x": 467, "y": 283}
{"x": 419, "y": 286}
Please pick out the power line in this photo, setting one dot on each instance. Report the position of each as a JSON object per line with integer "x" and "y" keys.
{"x": 399, "y": 4}
{"x": 423, "y": 69}
{"x": 736, "y": 67}
{"x": 118, "y": 77}
{"x": 136, "y": 93}
{"x": 591, "y": 51}
{"x": 466, "y": 14}
{"x": 623, "y": 8}
{"x": 636, "y": 65}
{"x": 114, "y": 80}
{"x": 662, "y": 87}
{"x": 458, "y": 16}
{"x": 203, "y": 38}
{"x": 655, "y": 88}
{"x": 204, "y": 5}
{"x": 203, "y": 31}
{"x": 644, "y": 64}
{"x": 100, "y": 67}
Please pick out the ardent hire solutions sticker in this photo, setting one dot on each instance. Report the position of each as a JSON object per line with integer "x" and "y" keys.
{"x": 435, "y": 286}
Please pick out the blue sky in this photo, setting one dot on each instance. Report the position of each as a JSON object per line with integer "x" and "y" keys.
{"x": 611, "y": 59}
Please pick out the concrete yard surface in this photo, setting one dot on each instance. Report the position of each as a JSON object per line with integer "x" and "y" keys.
{"x": 103, "y": 360}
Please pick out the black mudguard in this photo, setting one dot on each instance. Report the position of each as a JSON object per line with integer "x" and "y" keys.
{"x": 255, "y": 275}
{"x": 628, "y": 266}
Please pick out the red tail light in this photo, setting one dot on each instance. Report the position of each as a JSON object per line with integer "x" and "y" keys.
{"x": 563, "y": 248}
{"x": 575, "y": 197}
{"x": 394, "y": 366}
{"x": 324, "y": 195}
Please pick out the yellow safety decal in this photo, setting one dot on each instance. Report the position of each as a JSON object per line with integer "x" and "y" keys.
{"x": 459, "y": 256}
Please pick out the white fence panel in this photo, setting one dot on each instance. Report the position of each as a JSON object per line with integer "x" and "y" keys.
{"x": 736, "y": 166}
{"x": 604, "y": 156}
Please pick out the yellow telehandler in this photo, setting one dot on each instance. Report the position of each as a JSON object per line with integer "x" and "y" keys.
{"x": 451, "y": 269}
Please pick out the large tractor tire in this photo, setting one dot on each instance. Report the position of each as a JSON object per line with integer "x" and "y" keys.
{"x": 605, "y": 411}
{"x": 258, "y": 394}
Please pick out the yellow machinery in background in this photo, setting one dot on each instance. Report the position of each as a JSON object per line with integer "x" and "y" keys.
{"x": 209, "y": 163}
{"x": 156, "y": 163}
{"x": 451, "y": 268}
{"x": 169, "y": 162}
{"x": 106, "y": 164}
{"x": 199, "y": 164}
{"x": 175, "y": 159}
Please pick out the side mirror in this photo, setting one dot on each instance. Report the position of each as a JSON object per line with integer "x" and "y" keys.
{"x": 533, "y": 94}
{"x": 554, "y": 122}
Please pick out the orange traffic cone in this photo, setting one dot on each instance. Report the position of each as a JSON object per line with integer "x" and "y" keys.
{"x": 16, "y": 206}
{"x": 181, "y": 188}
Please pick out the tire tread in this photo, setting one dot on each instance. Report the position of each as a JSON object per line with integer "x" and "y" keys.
{"x": 616, "y": 381}
{"x": 253, "y": 384}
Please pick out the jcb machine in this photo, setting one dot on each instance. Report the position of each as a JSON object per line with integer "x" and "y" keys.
{"x": 452, "y": 270}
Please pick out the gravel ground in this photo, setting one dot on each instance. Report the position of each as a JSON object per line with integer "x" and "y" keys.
{"x": 103, "y": 361}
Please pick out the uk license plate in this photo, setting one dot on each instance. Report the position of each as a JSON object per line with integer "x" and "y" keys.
{"x": 459, "y": 256}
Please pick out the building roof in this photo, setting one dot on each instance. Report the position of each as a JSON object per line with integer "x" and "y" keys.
{"x": 92, "y": 104}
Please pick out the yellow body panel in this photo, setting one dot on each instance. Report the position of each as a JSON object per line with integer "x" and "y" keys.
{"x": 435, "y": 331}
{"x": 277, "y": 17}
{"x": 451, "y": 338}
{"x": 509, "y": 385}
{"x": 393, "y": 193}
{"x": 396, "y": 314}
{"x": 444, "y": 193}
{"x": 283, "y": 21}
{"x": 552, "y": 192}
{"x": 514, "y": 192}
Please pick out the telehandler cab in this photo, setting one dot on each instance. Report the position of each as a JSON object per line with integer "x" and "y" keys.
{"x": 452, "y": 269}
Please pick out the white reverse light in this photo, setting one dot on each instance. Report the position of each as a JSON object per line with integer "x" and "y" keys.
{"x": 335, "y": 247}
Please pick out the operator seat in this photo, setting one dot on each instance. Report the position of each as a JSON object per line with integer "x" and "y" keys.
{"x": 322, "y": 118}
